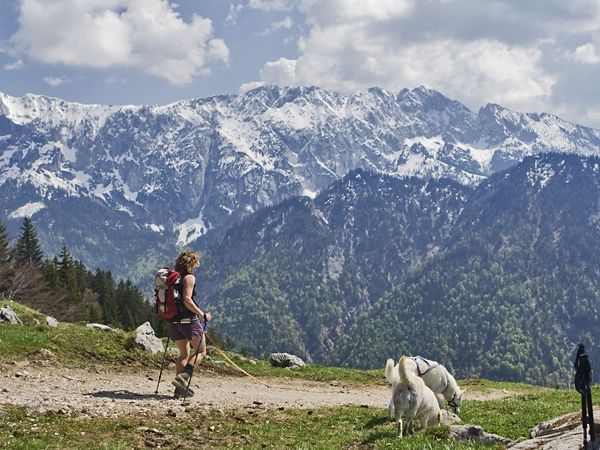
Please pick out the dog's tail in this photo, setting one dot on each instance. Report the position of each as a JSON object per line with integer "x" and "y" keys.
{"x": 391, "y": 374}
{"x": 403, "y": 374}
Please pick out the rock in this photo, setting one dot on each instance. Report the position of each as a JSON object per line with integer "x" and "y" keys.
{"x": 474, "y": 433}
{"x": 561, "y": 433}
{"x": 8, "y": 315}
{"x": 51, "y": 321}
{"x": 285, "y": 360}
{"x": 146, "y": 339}
{"x": 449, "y": 418}
{"x": 99, "y": 326}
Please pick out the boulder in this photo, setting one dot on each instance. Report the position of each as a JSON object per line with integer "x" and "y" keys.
{"x": 474, "y": 433}
{"x": 8, "y": 315}
{"x": 99, "y": 326}
{"x": 146, "y": 339}
{"x": 285, "y": 360}
{"x": 51, "y": 321}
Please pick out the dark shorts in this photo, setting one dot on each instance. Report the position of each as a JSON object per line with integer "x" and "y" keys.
{"x": 187, "y": 331}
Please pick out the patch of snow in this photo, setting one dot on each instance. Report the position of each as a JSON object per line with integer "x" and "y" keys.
{"x": 434, "y": 143}
{"x": 154, "y": 227}
{"x": 68, "y": 152}
{"x": 27, "y": 210}
{"x": 190, "y": 230}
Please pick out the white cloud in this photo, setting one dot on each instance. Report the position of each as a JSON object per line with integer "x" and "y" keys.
{"x": 272, "y": 5}
{"x": 232, "y": 15}
{"x": 245, "y": 87}
{"x": 323, "y": 13}
{"x": 56, "y": 81}
{"x": 16, "y": 65}
{"x": 284, "y": 24}
{"x": 282, "y": 72}
{"x": 148, "y": 35}
{"x": 586, "y": 54}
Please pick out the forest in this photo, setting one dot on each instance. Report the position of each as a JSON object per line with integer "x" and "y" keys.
{"x": 65, "y": 288}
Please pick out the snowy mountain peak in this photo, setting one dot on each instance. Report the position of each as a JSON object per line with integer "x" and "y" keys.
{"x": 200, "y": 164}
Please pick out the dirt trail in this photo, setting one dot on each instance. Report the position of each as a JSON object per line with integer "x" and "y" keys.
{"x": 108, "y": 393}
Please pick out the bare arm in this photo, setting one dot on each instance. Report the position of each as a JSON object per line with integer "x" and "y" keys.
{"x": 188, "y": 288}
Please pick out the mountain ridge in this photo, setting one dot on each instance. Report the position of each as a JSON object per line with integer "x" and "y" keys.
{"x": 195, "y": 165}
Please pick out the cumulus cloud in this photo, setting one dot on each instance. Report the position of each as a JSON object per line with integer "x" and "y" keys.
{"x": 586, "y": 54}
{"x": 281, "y": 72}
{"x": 148, "y": 35}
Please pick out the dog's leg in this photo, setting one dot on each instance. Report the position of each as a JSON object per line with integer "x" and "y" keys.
{"x": 391, "y": 410}
{"x": 399, "y": 428}
{"x": 409, "y": 429}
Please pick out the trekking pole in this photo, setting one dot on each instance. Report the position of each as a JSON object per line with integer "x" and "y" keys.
{"x": 187, "y": 388}
{"x": 162, "y": 365}
{"x": 583, "y": 379}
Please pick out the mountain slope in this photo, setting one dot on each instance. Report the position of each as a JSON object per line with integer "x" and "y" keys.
{"x": 501, "y": 284}
{"x": 171, "y": 173}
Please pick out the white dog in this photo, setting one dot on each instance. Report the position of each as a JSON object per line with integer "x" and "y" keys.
{"x": 437, "y": 378}
{"x": 411, "y": 398}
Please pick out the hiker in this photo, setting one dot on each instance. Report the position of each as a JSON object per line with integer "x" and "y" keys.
{"x": 187, "y": 328}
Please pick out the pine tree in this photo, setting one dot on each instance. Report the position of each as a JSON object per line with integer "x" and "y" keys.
{"x": 68, "y": 276}
{"x": 28, "y": 248}
{"x": 104, "y": 286}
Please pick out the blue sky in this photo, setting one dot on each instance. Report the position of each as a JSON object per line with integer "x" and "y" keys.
{"x": 530, "y": 56}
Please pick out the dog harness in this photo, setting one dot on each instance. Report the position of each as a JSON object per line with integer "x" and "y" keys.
{"x": 428, "y": 364}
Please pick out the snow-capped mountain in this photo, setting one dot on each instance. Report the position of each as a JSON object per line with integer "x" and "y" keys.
{"x": 114, "y": 181}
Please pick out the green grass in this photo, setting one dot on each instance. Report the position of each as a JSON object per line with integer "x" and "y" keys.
{"x": 77, "y": 344}
{"x": 515, "y": 416}
{"x": 313, "y": 372}
{"x": 322, "y": 428}
{"x": 70, "y": 343}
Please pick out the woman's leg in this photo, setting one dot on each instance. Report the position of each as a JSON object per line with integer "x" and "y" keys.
{"x": 199, "y": 344}
{"x": 184, "y": 354}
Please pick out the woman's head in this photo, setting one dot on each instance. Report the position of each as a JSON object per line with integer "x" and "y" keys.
{"x": 187, "y": 261}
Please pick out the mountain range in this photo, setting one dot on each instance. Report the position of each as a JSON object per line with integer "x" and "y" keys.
{"x": 123, "y": 186}
{"x": 343, "y": 228}
{"x": 500, "y": 280}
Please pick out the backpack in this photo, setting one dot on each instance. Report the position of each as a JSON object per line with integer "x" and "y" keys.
{"x": 167, "y": 293}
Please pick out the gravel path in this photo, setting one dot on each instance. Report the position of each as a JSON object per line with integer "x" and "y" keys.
{"x": 43, "y": 387}
{"x": 106, "y": 393}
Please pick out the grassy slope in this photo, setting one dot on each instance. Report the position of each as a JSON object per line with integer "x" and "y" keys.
{"x": 342, "y": 427}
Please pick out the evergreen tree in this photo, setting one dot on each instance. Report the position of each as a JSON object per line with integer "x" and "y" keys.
{"x": 104, "y": 286}
{"x": 68, "y": 276}
{"x": 28, "y": 246}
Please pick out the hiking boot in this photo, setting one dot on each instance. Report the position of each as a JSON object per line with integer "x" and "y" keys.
{"x": 180, "y": 393}
{"x": 180, "y": 382}
{"x": 183, "y": 378}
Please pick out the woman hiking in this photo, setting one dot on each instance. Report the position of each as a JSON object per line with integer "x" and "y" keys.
{"x": 187, "y": 329}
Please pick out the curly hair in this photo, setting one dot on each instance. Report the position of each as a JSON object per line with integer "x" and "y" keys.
{"x": 187, "y": 261}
